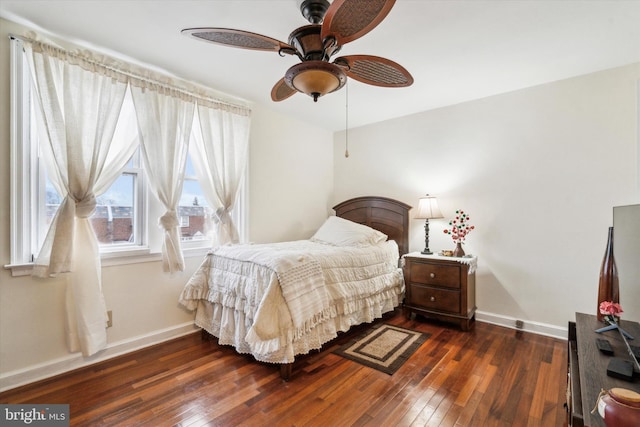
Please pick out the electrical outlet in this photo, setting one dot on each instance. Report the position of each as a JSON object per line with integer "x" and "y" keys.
{"x": 109, "y": 319}
{"x": 519, "y": 324}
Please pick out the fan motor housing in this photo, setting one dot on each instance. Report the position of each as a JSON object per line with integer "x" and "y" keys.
{"x": 307, "y": 42}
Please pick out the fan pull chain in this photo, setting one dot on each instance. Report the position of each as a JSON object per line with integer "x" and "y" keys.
{"x": 346, "y": 115}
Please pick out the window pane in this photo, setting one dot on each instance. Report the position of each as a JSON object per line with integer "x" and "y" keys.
{"x": 194, "y": 213}
{"x": 52, "y": 200}
{"x": 189, "y": 171}
{"x": 113, "y": 220}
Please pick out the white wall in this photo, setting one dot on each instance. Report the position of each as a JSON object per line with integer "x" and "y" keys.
{"x": 291, "y": 178}
{"x": 539, "y": 171}
{"x": 290, "y": 166}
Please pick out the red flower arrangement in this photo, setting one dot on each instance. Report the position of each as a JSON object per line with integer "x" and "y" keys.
{"x": 610, "y": 310}
{"x": 459, "y": 227}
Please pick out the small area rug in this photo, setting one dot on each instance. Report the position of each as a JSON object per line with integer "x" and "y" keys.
{"x": 383, "y": 347}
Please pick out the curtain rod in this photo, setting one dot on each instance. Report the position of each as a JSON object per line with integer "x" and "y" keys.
{"x": 133, "y": 75}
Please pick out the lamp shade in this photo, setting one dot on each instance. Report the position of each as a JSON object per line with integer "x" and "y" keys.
{"x": 428, "y": 208}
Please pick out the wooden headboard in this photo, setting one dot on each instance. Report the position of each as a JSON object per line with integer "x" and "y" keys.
{"x": 386, "y": 215}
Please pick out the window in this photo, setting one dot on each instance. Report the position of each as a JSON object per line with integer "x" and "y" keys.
{"x": 126, "y": 217}
{"x": 195, "y": 214}
{"x": 184, "y": 221}
{"x": 119, "y": 214}
{"x": 119, "y": 211}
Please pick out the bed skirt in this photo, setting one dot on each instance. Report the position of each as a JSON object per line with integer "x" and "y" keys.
{"x": 230, "y": 326}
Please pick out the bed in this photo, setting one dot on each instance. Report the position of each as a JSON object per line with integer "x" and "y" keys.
{"x": 276, "y": 301}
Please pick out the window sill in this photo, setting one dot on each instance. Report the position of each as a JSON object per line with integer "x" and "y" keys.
{"x": 115, "y": 258}
{"x": 19, "y": 269}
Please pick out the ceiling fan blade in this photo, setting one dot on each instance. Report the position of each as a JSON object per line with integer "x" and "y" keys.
{"x": 375, "y": 70}
{"x": 347, "y": 20}
{"x": 281, "y": 91}
{"x": 239, "y": 38}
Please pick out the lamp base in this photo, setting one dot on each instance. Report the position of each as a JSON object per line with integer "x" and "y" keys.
{"x": 426, "y": 250}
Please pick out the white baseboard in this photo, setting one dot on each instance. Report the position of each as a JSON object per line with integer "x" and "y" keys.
{"x": 527, "y": 325}
{"x": 13, "y": 379}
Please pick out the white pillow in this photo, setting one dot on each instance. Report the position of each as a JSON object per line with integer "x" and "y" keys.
{"x": 342, "y": 232}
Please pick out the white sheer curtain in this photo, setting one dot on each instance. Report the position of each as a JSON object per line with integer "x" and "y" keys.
{"x": 80, "y": 105}
{"x": 164, "y": 122}
{"x": 220, "y": 149}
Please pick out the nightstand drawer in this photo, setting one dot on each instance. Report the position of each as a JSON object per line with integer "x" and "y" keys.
{"x": 442, "y": 300}
{"x": 435, "y": 274}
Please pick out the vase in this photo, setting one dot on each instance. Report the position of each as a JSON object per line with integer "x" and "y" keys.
{"x": 608, "y": 286}
{"x": 619, "y": 407}
{"x": 458, "y": 251}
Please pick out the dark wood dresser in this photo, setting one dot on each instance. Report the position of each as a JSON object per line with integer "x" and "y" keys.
{"x": 442, "y": 288}
{"x": 587, "y": 367}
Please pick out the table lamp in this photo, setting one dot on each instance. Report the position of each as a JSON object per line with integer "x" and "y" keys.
{"x": 428, "y": 209}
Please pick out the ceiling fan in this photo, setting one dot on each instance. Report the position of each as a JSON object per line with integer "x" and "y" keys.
{"x": 331, "y": 26}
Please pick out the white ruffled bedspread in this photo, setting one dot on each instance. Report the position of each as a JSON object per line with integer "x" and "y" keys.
{"x": 278, "y": 300}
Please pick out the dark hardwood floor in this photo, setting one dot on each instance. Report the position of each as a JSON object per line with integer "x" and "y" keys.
{"x": 490, "y": 376}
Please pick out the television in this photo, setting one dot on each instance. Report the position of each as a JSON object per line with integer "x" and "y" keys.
{"x": 626, "y": 251}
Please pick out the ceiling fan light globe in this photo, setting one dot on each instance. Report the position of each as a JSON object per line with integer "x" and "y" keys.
{"x": 315, "y": 78}
{"x": 316, "y": 81}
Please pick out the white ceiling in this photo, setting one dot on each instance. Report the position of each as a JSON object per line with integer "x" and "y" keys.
{"x": 455, "y": 50}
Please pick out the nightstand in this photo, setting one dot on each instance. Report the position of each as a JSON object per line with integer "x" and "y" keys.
{"x": 442, "y": 288}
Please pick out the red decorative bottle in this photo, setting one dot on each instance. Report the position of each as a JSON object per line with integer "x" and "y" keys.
{"x": 608, "y": 288}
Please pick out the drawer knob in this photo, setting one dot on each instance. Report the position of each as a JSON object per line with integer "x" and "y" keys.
{"x": 432, "y": 299}
{"x": 432, "y": 275}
